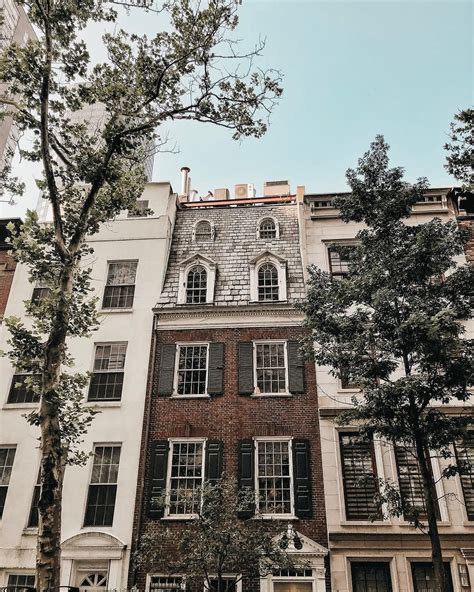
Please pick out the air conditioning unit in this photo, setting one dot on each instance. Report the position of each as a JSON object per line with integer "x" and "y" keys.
{"x": 244, "y": 191}
{"x": 222, "y": 193}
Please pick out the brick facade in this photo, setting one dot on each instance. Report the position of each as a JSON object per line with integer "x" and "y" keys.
{"x": 7, "y": 266}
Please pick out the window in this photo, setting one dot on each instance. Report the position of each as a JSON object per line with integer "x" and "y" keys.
{"x": 338, "y": 267}
{"x": 103, "y": 486}
{"x": 93, "y": 581}
{"x": 268, "y": 287}
{"x": 33, "y": 517}
{"x": 358, "y": 476}
{"x": 20, "y": 391}
{"x": 465, "y": 457}
{"x": 410, "y": 480}
{"x": 7, "y": 455}
{"x": 230, "y": 584}
{"x": 192, "y": 369}
{"x": 21, "y": 581}
{"x": 267, "y": 229}
{"x": 141, "y": 206}
{"x": 346, "y": 384}
{"x": 185, "y": 478}
{"x": 371, "y": 576}
{"x": 107, "y": 377}
{"x": 203, "y": 231}
{"x": 196, "y": 285}
{"x": 270, "y": 368}
{"x": 120, "y": 286}
{"x": 423, "y": 574}
{"x": 273, "y": 477}
{"x": 163, "y": 584}
{"x": 293, "y": 580}
{"x": 40, "y": 293}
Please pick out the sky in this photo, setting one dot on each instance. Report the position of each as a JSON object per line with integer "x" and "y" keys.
{"x": 352, "y": 69}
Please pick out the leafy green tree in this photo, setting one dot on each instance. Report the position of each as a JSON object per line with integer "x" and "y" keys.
{"x": 192, "y": 69}
{"x": 395, "y": 327}
{"x": 217, "y": 542}
{"x": 459, "y": 158}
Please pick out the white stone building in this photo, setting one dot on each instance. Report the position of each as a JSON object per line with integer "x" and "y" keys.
{"x": 128, "y": 264}
{"x": 387, "y": 555}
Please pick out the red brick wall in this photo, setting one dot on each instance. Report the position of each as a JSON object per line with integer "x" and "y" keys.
{"x": 7, "y": 269}
{"x": 469, "y": 246}
{"x": 231, "y": 417}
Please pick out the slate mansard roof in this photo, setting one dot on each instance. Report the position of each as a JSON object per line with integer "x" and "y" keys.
{"x": 234, "y": 246}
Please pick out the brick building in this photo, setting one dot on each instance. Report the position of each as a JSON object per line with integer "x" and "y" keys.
{"x": 7, "y": 265}
{"x": 226, "y": 377}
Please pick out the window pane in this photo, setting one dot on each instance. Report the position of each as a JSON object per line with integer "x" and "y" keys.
{"x": 271, "y": 367}
{"x": 228, "y": 585}
{"x": 21, "y": 581}
{"x": 196, "y": 287}
{"x": 268, "y": 289}
{"x": 267, "y": 229}
{"x": 106, "y": 383}
{"x": 20, "y": 392}
{"x": 274, "y": 480}
{"x": 103, "y": 488}
{"x": 122, "y": 273}
{"x": 423, "y": 577}
{"x": 162, "y": 584}
{"x": 338, "y": 266}
{"x": 7, "y": 456}
{"x": 120, "y": 286}
{"x": 186, "y": 477}
{"x": 192, "y": 370}
{"x": 33, "y": 518}
{"x": 203, "y": 231}
{"x": 371, "y": 577}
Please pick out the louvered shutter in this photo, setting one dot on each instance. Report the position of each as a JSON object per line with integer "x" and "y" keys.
{"x": 166, "y": 370}
{"x": 246, "y": 386}
{"x": 158, "y": 470}
{"x": 246, "y": 473}
{"x": 214, "y": 460}
{"x": 358, "y": 475}
{"x": 295, "y": 368}
{"x": 216, "y": 369}
{"x": 465, "y": 455}
{"x": 302, "y": 479}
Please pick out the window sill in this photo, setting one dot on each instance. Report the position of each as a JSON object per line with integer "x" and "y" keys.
{"x": 21, "y": 405}
{"x": 103, "y": 403}
{"x": 270, "y": 395}
{"x": 275, "y": 517}
{"x": 190, "y": 396}
{"x": 30, "y": 531}
{"x": 405, "y": 524}
{"x": 366, "y": 523}
{"x": 269, "y": 302}
{"x": 114, "y": 310}
{"x": 180, "y": 517}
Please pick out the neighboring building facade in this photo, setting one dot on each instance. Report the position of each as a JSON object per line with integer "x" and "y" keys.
{"x": 228, "y": 390}
{"x": 7, "y": 264}
{"x": 128, "y": 266}
{"x": 386, "y": 555}
{"x": 16, "y": 28}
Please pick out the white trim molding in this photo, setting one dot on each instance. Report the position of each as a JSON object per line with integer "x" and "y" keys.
{"x": 184, "y": 268}
{"x": 254, "y": 266}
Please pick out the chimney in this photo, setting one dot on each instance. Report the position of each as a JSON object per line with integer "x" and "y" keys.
{"x": 185, "y": 183}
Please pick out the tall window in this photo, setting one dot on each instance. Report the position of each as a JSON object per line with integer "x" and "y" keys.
{"x": 338, "y": 267}
{"x": 141, "y": 206}
{"x": 164, "y": 584}
{"x": 185, "y": 478}
{"x": 120, "y": 286}
{"x": 20, "y": 391}
{"x": 203, "y": 231}
{"x": 270, "y": 367}
{"x": 192, "y": 369}
{"x": 20, "y": 581}
{"x": 107, "y": 378}
{"x": 371, "y": 576}
{"x": 268, "y": 288}
{"x": 358, "y": 474}
{"x": 103, "y": 486}
{"x": 267, "y": 229}
{"x": 40, "y": 292}
{"x": 465, "y": 458}
{"x": 33, "y": 517}
{"x": 423, "y": 577}
{"x": 7, "y": 455}
{"x": 196, "y": 285}
{"x": 274, "y": 482}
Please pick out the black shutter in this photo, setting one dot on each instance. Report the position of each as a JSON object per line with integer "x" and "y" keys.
{"x": 214, "y": 460}
{"x": 216, "y": 366}
{"x": 295, "y": 368}
{"x": 158, "y": 470}
{"x": 246, "y": 386}
{"x": 166, "y": 371}
{"x": 246, "y": 473}
{"x": 302, "y": 479}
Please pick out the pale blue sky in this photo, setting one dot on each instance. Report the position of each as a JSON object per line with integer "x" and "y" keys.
{"x": 352, "y": 69}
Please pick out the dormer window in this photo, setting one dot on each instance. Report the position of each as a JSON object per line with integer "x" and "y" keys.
{"x": 267, "y": 229}
{"x": 196, "y": 285}
{"x": 203, "y": 231}
{"x": 268, "y": 287}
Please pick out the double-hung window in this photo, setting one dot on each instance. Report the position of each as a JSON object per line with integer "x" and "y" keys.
{"x": 120, "y": 285}
{"x": 103, "y": 486}
{"x": 40, "y": 292}
{"x": 7, "y": 456}
{"x": 423, "y": 577}
{"x": 338, "y": 266}
{"x": 465, "y": 460}
{"x": 274, "y": 477}
{"x": 192, "y": 369}
{"x": 185, "y": 477}
{"x": 270, "y": 367}
{"x": 371, "y": 576}
{"x": 166, "y": 584}
{"x": 20, "y": 389}
{"x": 20, "y": 582}
{"x": 107, "y": 377}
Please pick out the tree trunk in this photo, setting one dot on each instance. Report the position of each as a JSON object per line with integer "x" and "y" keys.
{"x": 429, "y": 487}
{"x": 48, "y": 550}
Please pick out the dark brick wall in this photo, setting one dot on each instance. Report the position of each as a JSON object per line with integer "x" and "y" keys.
{"x": 468, "y": 224}
{"x": 7, "y": 269}
{"x": 231, "y": 417}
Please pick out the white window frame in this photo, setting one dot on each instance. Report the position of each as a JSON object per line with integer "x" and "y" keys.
{"x": 226, "y": 576}
{"x": 277, "y": 228}
{"x": 288, "y": 439}
{"x": 106, "y": 285}
{"x": 179, "y": 345}
{"x": 19, "y": 572}
{"x": 93, "y": 371}
{"x": 255, "y": 386}
{"x": 184, "y": 269}
{"x": 255, "y": 266}
{"x": 171, "y": 442}
{"x": 160, "y": 575}
{"x": 213, "y": 230}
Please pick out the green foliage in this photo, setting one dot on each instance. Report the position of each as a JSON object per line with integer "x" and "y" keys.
{"x": 459, "y": 160}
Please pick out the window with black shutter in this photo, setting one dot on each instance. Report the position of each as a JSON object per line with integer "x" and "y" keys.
{"x": 358, "y": 476}
{"x": 158, "y": 474}
{"x": 246, "y": 386}
{"x": 214, "y": 461}
{"x": 167, "y": 361}
{"x": 215, "y": 381}
{"x": 371, "y": 576}
{"x": 465, "y": 461}
{"x": 246, "y": 473}
{"x": 302, "y": 478}
{"x": 103, "y": 486}
{"x": 295, "y": 368}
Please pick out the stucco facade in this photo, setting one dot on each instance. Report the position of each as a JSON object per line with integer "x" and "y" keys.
{"x": 88, "y": 550}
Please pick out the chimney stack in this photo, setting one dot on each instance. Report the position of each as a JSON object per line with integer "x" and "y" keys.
{"x": 185, "y": 183}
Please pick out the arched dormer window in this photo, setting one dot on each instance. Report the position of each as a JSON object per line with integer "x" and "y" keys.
{"x": 196, "y": 285}
{"x": 203, "y": 231}
{"x": 268, "y": 228}
{"x": 268, "y": 287}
